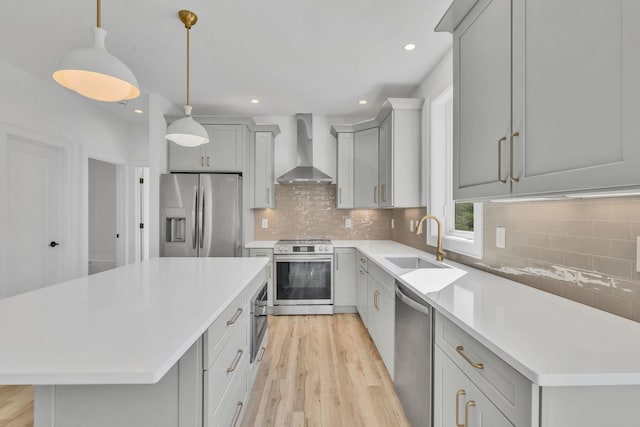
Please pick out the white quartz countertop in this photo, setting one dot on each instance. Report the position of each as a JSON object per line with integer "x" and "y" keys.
{"x": 551, "y": 340}
{"x": 261, "y": 244}
{"x": 129, "y": 325}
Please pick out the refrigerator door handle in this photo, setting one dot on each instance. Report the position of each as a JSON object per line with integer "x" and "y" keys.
{"x": 202, "y": 218}
{"x": 193, "y": 217}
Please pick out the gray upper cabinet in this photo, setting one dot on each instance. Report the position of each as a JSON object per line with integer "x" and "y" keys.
{"x": 366, "y": 169}
{"x": 264, "y": 174}
{"x": 400, "y": 142}
{"x": 223, "y": 153}
{"x": 344, "y": 170}
{"x": 546, "y": 98}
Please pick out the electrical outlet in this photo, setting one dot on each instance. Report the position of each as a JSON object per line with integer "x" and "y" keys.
{"x": 501, "y": 233}
{"x": 638, "y": 254}
{"x": 393, "y": 223}
{"x": 265, "y": 222}
{"x": 411, "y": 228}
{"x": 347, "y": 223}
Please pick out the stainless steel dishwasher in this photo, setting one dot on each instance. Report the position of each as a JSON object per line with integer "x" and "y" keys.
{"x": 413, "y": 355}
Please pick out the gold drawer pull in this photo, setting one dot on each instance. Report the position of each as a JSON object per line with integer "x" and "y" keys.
{"x": 238, "y": 412}
{"x": 236, "y": 360}
{"x": 513, "y": 178}
{"x": 466, "y": 412}
{"x": 262, "y": 352}
{"x": 458, "y": 394}
{"x": 235, "y": 317}
{"x": 375, "y": 194}
{"x": 500, "y": 141}
{"x": 476, "y": 365}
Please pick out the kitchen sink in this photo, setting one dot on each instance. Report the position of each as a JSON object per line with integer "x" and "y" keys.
{"x": 413, "y": 262}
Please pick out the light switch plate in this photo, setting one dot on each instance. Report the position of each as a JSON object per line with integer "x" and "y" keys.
{"x": 638, "y": 253}
{"x": 393, "y": 223}
{"x": 265, "y": 222}
{"x": 348, "y": 223}
{"x": 411, "y": 225}
{"x": 500, "y": 237}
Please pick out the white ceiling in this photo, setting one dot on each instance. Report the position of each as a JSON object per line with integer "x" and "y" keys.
{"x": 319, "y": 56}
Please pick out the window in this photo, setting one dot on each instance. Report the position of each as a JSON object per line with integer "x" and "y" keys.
{"x": 462, "y": 221}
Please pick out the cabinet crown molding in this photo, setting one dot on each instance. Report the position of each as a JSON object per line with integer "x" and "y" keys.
{"x": 454, "y": 15}
{"x": 249, "y": 122}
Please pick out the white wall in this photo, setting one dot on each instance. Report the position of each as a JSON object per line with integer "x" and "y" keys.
{"x": 51, "y": 114}
{"x": 436, "y": 80}
{"x": 324, "y": 144}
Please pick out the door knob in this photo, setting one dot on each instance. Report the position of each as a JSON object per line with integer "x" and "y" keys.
{"x": 53, "y": 244}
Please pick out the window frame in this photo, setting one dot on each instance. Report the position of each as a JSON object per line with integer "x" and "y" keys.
{"x": 440, "y": 164}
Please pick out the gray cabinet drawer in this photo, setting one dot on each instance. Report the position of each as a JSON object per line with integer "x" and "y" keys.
{"x": 363, "y": 261}
{"x": 232, "y": 362}
{"x": 507, "y": 389}
{"x": 224, "y": 325}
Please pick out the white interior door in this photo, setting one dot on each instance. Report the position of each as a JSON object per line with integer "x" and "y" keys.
{"x": 34, "y": 228}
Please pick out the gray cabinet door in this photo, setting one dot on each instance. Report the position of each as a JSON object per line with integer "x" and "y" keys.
{"x": 576, "y": 95}
{"x": 366, "y": 169}
{"x": 344, "y": 282}
{"x": 482, "y": 101}
{"x": 386, "y": 169}
{"x": 224, "y": 152}
{"x": 263, "y": 183}
{"x": 344, "y": 171}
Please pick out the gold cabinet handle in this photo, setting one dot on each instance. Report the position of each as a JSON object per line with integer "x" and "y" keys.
{"x": 382, "y": 197}
{"x": 458, "y": 395}
{"x": 375, "y": 300}
{"x": 513, "y": 178}
{"x": 268, "y": 195}
{"x": 476, "y": 365}
{"x": 375, "y": 194}
{"x": 337, "y": 261}
{"x": 202, "y": 161}
{"x": 466, "y": 412}
{"x": 208, "y": 161}
{"x": 262, "y": 352}
{"x": 236, "y": 360}
{"x": 500, "y": 141}
{"x": 238, "y": 412}
{"x": 361, "y": 272}
{"x": 340, "y": 196}
{"x": 235, "y": 317}
{"x": 362, "y": 260}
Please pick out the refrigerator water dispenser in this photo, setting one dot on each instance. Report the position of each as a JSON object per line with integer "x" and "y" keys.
{"x": 176, "y": 225}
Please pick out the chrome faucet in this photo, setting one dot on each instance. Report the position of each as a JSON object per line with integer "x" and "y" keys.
{"x": 440, "y": 252}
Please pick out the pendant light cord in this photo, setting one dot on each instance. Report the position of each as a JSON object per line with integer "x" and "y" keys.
{"x": 99, "y": 15}
{"x": 188, "y": 61}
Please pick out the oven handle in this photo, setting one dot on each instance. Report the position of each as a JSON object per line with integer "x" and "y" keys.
{"x": 301, "y": 258}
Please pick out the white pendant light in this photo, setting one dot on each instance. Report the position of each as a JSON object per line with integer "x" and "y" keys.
{"x": 95, "y": 73}
{"x": 186, "y": 131}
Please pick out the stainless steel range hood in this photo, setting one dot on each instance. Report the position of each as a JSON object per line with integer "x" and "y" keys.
{"x": 305, "y": 173}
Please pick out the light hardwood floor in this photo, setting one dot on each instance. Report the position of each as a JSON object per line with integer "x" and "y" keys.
{"x": 317, "y": 371}
{"x": 16, "y": 406}
{"x": 322, "y": 371}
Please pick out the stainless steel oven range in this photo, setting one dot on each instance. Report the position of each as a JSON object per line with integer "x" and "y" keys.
{"x": 303, "y": 282}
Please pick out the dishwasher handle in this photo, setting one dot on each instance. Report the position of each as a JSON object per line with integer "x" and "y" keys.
{"x": 411, "y": 303}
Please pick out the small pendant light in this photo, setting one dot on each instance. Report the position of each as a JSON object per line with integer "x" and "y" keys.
{"x": 186, "y": 131}
{"x": 95, "y": 73}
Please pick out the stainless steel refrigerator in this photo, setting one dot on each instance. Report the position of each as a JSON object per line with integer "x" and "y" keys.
{"x": 200, "y": 215}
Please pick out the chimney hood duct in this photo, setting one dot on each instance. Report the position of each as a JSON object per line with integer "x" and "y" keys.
{"x": 305, "y": 173}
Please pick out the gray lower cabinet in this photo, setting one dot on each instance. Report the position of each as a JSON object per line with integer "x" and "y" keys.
{"x": 362, "y": 288}
{"x": 266, "y": 253}
{"x": 344, "y": 280}
{"x": 525, "y": 127}
{"x": 457, "y": 401}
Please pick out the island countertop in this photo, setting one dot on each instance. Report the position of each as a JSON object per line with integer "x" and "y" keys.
{"x": 129, "y": 325}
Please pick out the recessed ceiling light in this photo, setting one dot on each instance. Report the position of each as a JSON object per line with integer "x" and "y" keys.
{"x": 138, "y": 111}
{"x": 409, "y": 46}
{"x": 255, "y": 101}
{"x": 362, "y": 102}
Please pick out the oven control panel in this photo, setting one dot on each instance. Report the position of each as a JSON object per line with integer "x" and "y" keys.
{"x": 302, "y": 249}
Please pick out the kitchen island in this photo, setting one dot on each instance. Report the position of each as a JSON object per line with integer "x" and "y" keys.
{"x": 126, "y": 347}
